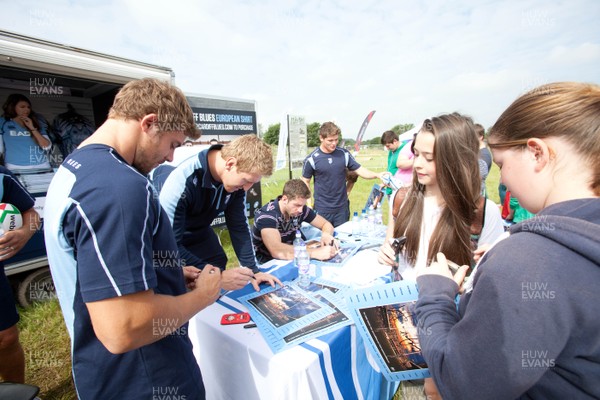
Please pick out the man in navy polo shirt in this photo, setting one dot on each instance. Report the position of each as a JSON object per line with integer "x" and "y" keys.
{"x": 114, "y": 259}
{"x": 12, "y": 359}
{"x": 328, "y": 163}
{"x": 276, "y": 223}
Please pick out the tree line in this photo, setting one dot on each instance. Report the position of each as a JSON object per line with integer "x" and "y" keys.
{"x": 271, "y": 136}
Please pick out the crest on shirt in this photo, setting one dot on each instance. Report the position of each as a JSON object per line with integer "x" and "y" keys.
{"x": 288, "y": 226}
{"x": 330, "y": 160}
{"x": 227, "y": 198}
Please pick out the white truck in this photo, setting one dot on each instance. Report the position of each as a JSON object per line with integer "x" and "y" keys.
{"x": 56, "y": 76}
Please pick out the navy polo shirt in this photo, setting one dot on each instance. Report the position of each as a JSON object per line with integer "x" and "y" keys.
{"x": 107, "y": 236}
{"x": 329, "y": 171}
{"x": 270, "y": 216}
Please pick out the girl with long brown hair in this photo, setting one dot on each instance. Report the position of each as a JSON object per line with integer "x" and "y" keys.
{"x": 441, "y": 204}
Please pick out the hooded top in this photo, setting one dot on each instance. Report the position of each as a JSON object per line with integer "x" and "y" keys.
{"x": 530, "y": 326}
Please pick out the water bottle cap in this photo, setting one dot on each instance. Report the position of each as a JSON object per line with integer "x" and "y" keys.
{"x": 356, "y": 213}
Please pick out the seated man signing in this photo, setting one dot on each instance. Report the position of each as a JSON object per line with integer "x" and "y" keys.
{"x": 276, "y": 223}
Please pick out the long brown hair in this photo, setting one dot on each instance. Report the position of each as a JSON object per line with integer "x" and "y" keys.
{"x": 455, "y": 153}
{"x": 10, "y": 106}
{"x": 568, "y": 110}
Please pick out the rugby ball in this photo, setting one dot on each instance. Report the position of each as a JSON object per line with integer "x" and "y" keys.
{"x": 10, "y": 218}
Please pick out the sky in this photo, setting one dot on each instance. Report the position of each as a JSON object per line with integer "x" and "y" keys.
{"x": 338, "y": 60}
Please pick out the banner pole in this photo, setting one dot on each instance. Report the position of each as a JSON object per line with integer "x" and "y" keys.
{"x": 288, "y": 146}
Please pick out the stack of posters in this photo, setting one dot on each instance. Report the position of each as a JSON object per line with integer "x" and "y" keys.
{"x": 383, "y": 314}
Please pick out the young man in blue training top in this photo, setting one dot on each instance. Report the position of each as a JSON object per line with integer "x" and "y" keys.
{"x": 276, "y": 223}
{"x": 204, "y": 185}
{"x": 12, "y": 359}
{"x": 328, "y": 163}
{"x": 114, "y": 259}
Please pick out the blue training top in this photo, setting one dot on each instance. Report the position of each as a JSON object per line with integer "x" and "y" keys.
{"x": 108, "y": 237}
{"x": 270, "y": 216}
{"x": 22, "y": 153}
{"x": 193, "y": 199}
{"x": 329, "y": 170}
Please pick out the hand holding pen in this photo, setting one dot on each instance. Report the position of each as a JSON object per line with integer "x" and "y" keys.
{"x": 324, "y": 252}
{"x": 236, "y": 278}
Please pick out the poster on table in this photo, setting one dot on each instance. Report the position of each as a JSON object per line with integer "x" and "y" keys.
{"x": 385, "y": 318}
{"x": 290, "y": 315}
{"x": 345, "y": 252}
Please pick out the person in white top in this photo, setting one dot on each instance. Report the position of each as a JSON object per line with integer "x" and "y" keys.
{"x": 440, "y": 205}
{"x": 441, "y": 202}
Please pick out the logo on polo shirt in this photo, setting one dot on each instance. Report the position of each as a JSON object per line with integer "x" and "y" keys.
{"x": 330, "y": 160}
{"x": 18, "y": 133}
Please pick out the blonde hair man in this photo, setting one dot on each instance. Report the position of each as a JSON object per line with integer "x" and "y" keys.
{"x": 199, "y": 189}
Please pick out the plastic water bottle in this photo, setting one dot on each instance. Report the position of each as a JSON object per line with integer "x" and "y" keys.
{"x": 364, "y": 223}
{"x": 371, "y": 219}
{"x": 378, "y": 216}
{"x": 298, "y": 245}
{"x": 355, "y": 224}
{"x": 303, "y": 264}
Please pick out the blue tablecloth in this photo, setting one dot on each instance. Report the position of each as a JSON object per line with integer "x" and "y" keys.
{"x": 237, "y": 363}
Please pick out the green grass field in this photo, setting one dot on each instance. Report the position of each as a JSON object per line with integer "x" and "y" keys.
{"x": 43, "y": 333}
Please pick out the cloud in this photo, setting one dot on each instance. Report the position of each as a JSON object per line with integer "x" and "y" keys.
{"x": 334, "y": 60}
{"x": 585, "y": 53}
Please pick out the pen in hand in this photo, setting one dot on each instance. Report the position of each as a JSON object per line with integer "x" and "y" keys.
{"x": 334, "y": 244}
{"x": 253, "y": 277}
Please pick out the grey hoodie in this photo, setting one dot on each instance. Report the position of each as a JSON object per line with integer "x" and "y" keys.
{"x": 531, "y": 326}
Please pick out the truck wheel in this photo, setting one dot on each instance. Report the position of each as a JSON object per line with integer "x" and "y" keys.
{"x": 37, "y": 286}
